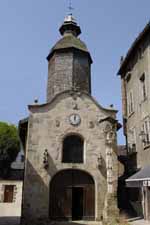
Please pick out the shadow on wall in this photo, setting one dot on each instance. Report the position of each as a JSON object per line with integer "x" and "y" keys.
{"x": 35, "y": 190}
{"x": 9, "y": 220}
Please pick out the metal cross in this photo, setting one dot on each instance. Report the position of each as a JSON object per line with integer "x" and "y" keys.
{"x": 70, "y": 7}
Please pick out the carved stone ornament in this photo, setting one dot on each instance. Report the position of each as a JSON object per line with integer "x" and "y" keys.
{"x": 57, "y": 123}
{"x": 110, "y": 133}
{"x": 108, "y": 128}
{"x": 91, "y": 124}
{"x": 75, "y": 93}
{"x": 75, "y": 106}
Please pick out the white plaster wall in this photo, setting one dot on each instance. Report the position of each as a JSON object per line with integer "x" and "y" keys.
{"x": 13, "y": 209}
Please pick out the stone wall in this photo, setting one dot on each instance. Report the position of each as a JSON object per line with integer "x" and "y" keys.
{"x": 141, "y": 107}
{"x": 67, "y": 70}
{"x": 48, "y": 125}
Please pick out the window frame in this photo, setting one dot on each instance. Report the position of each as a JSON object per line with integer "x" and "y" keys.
{"x": 132, "y": 140}
{"x": 63, "y": 160}
{"x": 8, "y": 196}
{"x": 146, "y": 129}
{"x": 130, "y": 103}
{"x": 143, "y": 87}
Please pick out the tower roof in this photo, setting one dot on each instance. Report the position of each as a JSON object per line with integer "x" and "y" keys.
{"x": 70, "y": 26}
{"x": 70, "y": 31}
{"x": 141, "y": 37}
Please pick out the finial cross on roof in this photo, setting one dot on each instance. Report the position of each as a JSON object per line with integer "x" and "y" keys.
{"x": 70, "y": 7}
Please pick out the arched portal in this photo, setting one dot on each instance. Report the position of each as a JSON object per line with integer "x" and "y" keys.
{"x": 72, "y": 196}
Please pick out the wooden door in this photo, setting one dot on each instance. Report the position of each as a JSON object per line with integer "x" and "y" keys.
{"x": 89, "y": 202}
{"x": 61, "y": 203}
{"x": 72, "y": 196}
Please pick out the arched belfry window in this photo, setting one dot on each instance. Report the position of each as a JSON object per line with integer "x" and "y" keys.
{"x": 73, "y": 149}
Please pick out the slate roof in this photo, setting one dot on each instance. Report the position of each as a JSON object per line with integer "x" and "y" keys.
{"x": 134, "y": 46}
{"x": 12, "y": 174}
{"x": 15, "y": 171}
{"x": 143, "y": 174}
{"x": 67, "y": 42}
{"x": 70, "y": 41}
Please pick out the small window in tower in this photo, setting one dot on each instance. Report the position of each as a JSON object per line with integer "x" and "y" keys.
{"x": 73, "y": 149}
{"x": 143, "y": 87}
{"x": 9, "y": 193}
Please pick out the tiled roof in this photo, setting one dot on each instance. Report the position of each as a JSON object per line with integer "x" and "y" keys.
{"x": 141, "y": 175}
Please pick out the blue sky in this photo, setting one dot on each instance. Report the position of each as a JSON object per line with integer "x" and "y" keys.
{"x": 30, "y": 28}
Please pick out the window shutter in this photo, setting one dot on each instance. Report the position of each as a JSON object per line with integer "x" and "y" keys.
{"x": 8, "y": 193}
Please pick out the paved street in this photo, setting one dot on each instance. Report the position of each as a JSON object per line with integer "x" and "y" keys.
{"x": 140, "y": 222}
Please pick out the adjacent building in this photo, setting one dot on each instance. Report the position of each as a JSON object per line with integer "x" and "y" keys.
{"x": 11, "y": 193}
{"x": 135, "y": 78}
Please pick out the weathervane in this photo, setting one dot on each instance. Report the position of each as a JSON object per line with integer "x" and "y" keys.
{"x": 70, "y": 7}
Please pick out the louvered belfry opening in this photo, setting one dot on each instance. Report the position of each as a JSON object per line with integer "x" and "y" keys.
{"x": 72, "y": 196}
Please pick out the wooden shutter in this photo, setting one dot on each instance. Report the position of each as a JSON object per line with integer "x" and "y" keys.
{"x": 89, "y": 202}
{"x": 8, "y": 193}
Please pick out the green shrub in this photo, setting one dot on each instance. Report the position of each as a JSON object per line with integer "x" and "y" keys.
{"x": 9, "y": 145}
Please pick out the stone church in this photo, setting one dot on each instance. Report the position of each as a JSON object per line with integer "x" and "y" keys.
{"x": 71, "y": 169}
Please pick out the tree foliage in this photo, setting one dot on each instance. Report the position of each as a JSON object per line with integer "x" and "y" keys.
{"x": 9, "y": 144}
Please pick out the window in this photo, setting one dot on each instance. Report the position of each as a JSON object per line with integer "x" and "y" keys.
{"x": 130, "y": 103}
{"x": 132, "y": 140}
{"x": 8, "y": 193}
{"x": 143, "y": 87}
{"x": 146, "y": 130}
{"x": 73, "y": 147}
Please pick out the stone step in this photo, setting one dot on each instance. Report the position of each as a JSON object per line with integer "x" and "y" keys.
{"x": 77, "y": 223}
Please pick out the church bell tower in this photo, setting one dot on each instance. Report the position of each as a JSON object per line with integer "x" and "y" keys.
{"x": 69, "y": 62}
{"x": 71, "y": 167}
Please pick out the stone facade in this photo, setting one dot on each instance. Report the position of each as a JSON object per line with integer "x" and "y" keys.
{"x": 135, "y": 78}
{"x": 69, "y": 94}
{"x": 132, "y": 87}
{"x": 48, "y": 125}
{"x": 66, "y": 70}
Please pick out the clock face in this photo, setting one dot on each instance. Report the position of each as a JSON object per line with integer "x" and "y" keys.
{"x": 75, "y": 119}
